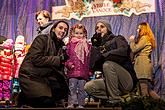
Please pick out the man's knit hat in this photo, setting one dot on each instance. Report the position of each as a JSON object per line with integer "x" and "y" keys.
{"x": 108, "y": 26}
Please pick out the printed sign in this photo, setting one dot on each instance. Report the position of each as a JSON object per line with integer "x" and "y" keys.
{"x": 78, "y": 9}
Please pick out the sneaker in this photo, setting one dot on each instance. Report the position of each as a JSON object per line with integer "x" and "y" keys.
{"x": 86, "y": 100}
{"x": 70, "y": 106}
{"x": 80, "y": 106}
{"x": 92, "y": 99}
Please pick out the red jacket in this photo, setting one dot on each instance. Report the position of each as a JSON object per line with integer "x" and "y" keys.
{"x": 7, "y": 70}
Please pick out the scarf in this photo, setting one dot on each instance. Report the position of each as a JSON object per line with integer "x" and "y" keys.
{"x": 81, "y": 48}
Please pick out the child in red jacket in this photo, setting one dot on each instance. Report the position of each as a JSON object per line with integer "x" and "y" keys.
{"x": 6, "y": 70}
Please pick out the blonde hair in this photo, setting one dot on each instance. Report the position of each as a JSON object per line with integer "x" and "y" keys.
{"x": 145, "y": 30}
{"x": 45, "y": 13}
{"x": 78, "y": 26}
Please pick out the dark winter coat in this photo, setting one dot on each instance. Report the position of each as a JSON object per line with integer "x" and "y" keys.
{"x": 113, "y": 48}
{"x": 41, "y": 73}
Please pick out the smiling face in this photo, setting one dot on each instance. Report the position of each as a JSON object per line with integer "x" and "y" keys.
{"x": 101, "y": 28}
{"x": 41, "y": 20}
{"x": 61, "y": 30}
{"x": 78, "y": 33}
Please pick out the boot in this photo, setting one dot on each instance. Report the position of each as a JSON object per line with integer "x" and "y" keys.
{"x": 144, "y": 91}
{"x": 154, "y": 95}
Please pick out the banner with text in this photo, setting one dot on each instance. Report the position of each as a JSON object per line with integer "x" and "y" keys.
{"x": 78, "y": 9}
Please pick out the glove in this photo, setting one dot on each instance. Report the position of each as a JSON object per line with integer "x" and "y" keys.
{"x": 96, "y": 40}
{"x": 64, "y": 57}
{"x": 102, "y": 49}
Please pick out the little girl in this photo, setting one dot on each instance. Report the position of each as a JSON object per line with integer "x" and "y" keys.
{"x": 19, "y": 52}
{"x": 78, "y": 65}
{"x": 7, "y": 70}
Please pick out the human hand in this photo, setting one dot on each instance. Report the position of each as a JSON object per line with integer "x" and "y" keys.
{"x": 64, "y": 57}
{"x": 102, "y": 49}
{"x": 132, "y": 38}
{"x": 96, "y": 39}
{"x": 72, "y": 66}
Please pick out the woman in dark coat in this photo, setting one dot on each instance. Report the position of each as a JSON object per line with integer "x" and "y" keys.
{"x": 41, "y": 75}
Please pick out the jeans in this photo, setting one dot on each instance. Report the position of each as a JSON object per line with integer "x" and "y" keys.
{"x": 116, "y": 82}
{"x": 77, "y": 93}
